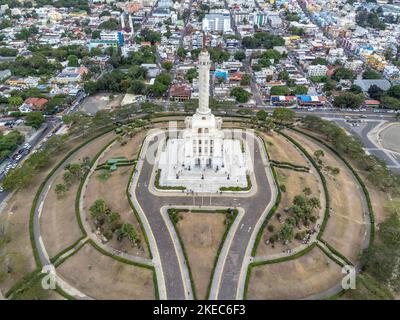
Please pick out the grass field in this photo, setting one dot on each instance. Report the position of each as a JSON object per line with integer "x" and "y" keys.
{"x": 295, "y": 279}
{"x": 102, "y": 277}
{"x": 112, "y": 190}
{"x": 346, "y": 225}
{"x": 201, "y": 234}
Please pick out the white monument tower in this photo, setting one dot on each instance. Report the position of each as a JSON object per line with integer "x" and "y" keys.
{"x": 201, "y": 158}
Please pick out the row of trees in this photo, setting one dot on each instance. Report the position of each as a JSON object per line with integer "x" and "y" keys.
{"x": 37, "y": 65}
{"x": 9, "y": 142}
{"x": 376, "y": 170}
{"x": 381, "y": 259}
{"x": 262, "y": 40}
{"x": 21, "y": 176}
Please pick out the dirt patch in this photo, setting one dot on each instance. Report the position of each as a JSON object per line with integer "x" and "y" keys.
{"x": 295, "y": 279}
{"x": 101, "y": 101}
{"x": 113, "y": 191}
{"x": 15, "y": 248}
{"x": 346, "y": 225}
{"x": 58, "y": 220}
{"x": 295, "y": 183}
{"x": 201, "y": 234}
{"x": 280, "y": 149}
{"x": 102, "y": 277}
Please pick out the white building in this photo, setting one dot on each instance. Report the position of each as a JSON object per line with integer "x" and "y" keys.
{"x": 318, "y": 70}
{"x": 219, "y": 21}
{"x": 391, "y": 71}
{"x": 203, "y": 157}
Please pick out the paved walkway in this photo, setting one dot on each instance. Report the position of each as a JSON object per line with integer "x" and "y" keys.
{"x": 149, "y": 205}
{"x": 85, "y": 222}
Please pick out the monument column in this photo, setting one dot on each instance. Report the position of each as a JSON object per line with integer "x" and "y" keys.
{"x": 204, "y": 82}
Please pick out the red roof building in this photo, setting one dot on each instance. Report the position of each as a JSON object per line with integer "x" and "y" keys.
{"x": 180, "y": 92}
{"x": 36, "y": 103}
{"x": 372, "y": 103}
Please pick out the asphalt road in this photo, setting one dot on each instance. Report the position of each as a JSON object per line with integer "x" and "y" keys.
{"x": 35, "y": 141}
{"x": 361, "y": 132}
{"x": 254, "y": 207}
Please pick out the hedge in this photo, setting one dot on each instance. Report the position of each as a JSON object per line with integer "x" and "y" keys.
{"x": 79, "y": 191}
{"x": 40, "y": 190}
{"x": 315, "y": 165}
{"x": 221, "y": 244}
{"x": 271, "y": 211}
{"x": 247, "y": 188}
{"x": 184, "y": 253}
{"x": 364, "y": 188}
{"x": 160, "y": 187}
{"x": 330, "y": 255}
{"x": 61, "y": 261}
{"x": 130, "y": 262}
{"x": 64, "y": 294}
{"x": 72, "y": 246}
{"x": 24, "y": 282}
{"x": 133, "y": 207}
{"x": 282, "y": 166}
{"x": 336, "y": 252}
{"x": 284, "y": 163}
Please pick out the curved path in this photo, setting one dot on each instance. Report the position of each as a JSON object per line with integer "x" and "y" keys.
{"x": 255, "y": 207}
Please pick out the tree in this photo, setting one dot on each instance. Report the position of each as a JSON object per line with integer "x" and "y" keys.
{"x": 181, "y": 52}
{"x": 137, "y": 87}
{"x": 167, "y": 65}
{"x": 239, "y": 55}
{"x": 15, "y": 101}
{"x": 297, "y": 31}
{"x": 355, "y": 89}
{"x": 371, "y": 74}
{"x": 110, "y": 24}
{"x": 262, "y": 115}
{"x": 96, "y": 34}
{"x": 375, "y": 92}
{"x": 73, "y": 61}
{"x": 61, "y": 190}
{"x": 286, "y": 232}
{"x": 348, "y": 100}
{"x": 283, "y": 115}
{"x": 394, "y": 91}
{"x": 191, "y": 74}
{"x": 280, "y": 91}
{"x": 240, "y": 94}
{"x": 98, "y": 208}
{"x": 34, "y": 119}
{"x": 319, "y": 153}
{"x": 283, "y": 75}
{"x": 320, "y": 61}
{"x": 390, "y": 102}
{"x": 246, "y": 79}
{"x": 343, "y": 74}
{"x": 300, "y": 90}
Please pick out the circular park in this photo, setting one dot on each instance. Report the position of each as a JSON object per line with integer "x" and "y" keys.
{"x": 96, "y": 220}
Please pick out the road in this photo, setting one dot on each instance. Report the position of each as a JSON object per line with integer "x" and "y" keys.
{"x": 34, "y": 141}
{"x": 254, "y": 207}
{"x": 362, "y": 132}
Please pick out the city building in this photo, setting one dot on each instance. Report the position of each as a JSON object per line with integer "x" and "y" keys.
{"x": 219, "y": 21}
